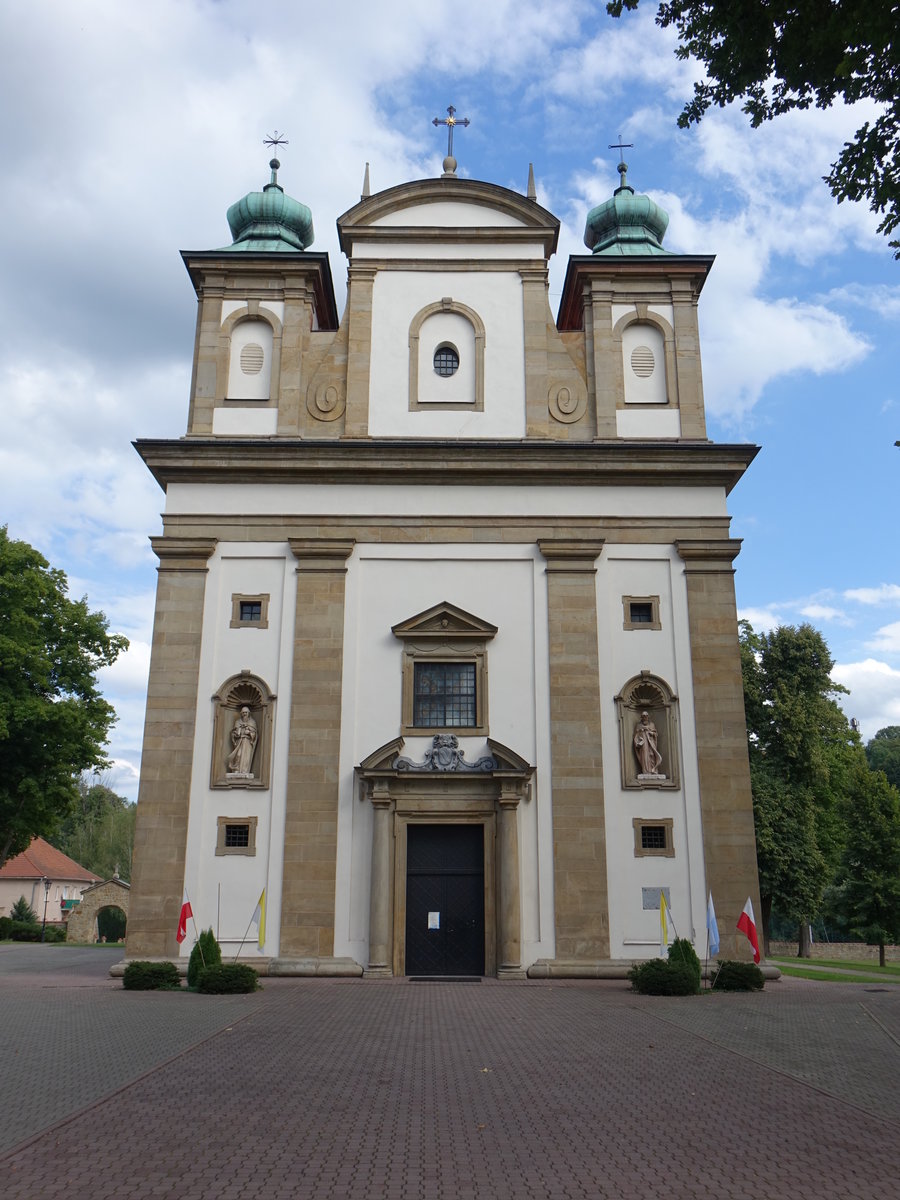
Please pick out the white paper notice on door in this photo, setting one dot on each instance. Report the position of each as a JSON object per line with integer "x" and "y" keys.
{"x": 434, "y": 920}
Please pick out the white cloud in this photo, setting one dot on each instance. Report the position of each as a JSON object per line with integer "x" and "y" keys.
{"x": 880, "y": 299}
{"x": 763, "y": 620}
{"x": 874, "y": 694}
{"x": 885, "y": 593}
{"x": 886, "y": 639}
{"x": 824, "y": 612}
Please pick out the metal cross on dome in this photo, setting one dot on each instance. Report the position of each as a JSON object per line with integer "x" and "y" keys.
{"x": 451, "y": 121}
{"x": 620, "y": 146}
{"x": 275, "y": 140}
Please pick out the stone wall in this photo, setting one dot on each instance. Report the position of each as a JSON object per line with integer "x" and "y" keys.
{"x": 853, "y": 951}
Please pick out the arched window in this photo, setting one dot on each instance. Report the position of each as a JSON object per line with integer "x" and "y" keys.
{"x": 446, "y": 357}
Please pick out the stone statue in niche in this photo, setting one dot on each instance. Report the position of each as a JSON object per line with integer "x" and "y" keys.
{"x": 646, "y": 749}
{"x": 243, "y": 740}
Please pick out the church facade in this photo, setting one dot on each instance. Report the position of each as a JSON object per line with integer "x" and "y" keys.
{"x": 445, "y": 659}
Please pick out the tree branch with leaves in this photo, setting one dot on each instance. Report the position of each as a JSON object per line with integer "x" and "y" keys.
{"x": 775, "y": 56}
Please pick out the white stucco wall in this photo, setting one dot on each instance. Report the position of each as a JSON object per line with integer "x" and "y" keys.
{"x": 224, "y": 889}
{"x": 648, "y": 571}
{"x": 496, "y": 296}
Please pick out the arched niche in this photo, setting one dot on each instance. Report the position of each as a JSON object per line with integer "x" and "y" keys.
{"x": 647, "y": 344}
{"x": 647, "y": 711}
{"x": 243, "y": 711}
{"x": 446, "y": 323}
{"x": 250, "y": 356}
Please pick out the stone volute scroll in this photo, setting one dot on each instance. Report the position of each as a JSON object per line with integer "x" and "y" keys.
{"x": 445, "y": 755}
{"x": 647, "y": 710}
{"x": 242, "y": 733}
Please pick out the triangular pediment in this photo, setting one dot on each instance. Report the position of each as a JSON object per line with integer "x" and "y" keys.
{"x": 444, "y": 622}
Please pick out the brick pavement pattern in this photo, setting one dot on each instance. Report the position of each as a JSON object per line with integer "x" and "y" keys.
{"x": 364, "y": 1088}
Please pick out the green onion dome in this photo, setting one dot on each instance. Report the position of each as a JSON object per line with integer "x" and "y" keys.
{"x": 626, "y": 223}
{"x": 270, "y": 220}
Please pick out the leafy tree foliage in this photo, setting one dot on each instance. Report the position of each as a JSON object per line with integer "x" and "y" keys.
{"x": 98, "y": 831}
{"x": 883, "y": 753}
{"x": 779, "y": 55}
{"x": 869, "y": 891}
{"x": 22, "y": 911}
{"x": 802, "y": 754}
{"x": 53, "y": 720}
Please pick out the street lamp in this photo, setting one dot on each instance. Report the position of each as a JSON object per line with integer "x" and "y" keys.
{"x": 46, "y": 882}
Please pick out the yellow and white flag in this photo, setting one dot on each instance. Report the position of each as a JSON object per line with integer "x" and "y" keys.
{"x": 259, "y": 918}
{"x": 663, "y": 925}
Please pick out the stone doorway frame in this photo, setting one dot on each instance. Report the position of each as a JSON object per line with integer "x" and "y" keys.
{"x": 445, "y": 790}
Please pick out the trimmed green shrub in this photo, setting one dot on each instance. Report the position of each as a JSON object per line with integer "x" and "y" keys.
{"x": 6, "y": 925}
{"x": 732, "y": 976}
{"x": 150, "y": 976}
{"x": 24, "y": 931}
{"x": 206, "y": 953}
{"x": 22, "y": 911}
{"x": 681, "y": 951}
{"x": 227, "y": 979}
{"x": 661, "y": 978}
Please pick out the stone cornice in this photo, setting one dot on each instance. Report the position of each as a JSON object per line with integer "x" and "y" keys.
{"x": 208, "y": 270}
{"x": 668, "y": 271}
{"x": 414, "y": 462}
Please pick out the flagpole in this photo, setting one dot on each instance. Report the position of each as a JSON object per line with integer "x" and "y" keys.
{"x": 244, "y": 938}
{"x": 196, "y": 930}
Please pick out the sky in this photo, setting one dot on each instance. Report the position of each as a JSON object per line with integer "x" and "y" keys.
{"x": 129, "y": 128}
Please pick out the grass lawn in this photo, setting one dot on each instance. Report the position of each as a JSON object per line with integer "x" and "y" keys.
{"x": 853, "y": 972}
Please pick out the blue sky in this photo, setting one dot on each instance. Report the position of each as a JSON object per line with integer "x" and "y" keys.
{"x": 131, "y": 127}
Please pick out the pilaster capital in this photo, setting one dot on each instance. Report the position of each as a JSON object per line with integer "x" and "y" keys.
{"x": 322, "y": 554}
{"x": 183, "y": 553}
{"x": 708, "y": 555}
{"x": 574, "y": 555}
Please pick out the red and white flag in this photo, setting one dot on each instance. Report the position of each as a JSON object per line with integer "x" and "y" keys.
{"x": 186, "y": 912}
{"x": 747, "y": 925}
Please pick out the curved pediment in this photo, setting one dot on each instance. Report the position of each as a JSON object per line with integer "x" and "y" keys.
{"x": 460, "y": 209}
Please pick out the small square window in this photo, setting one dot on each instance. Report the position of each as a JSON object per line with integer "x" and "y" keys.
{"x": 249, "y": 612}
{"x": 641, "y": 612}
{"x": 653, "y": 838}
{"x": 236, "y": 835}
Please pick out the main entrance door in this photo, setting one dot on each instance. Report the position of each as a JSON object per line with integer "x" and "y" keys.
{"x": 444, "y": 899}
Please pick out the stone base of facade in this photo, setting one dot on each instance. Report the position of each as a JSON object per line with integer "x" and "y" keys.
{"x": 346, "y": 967}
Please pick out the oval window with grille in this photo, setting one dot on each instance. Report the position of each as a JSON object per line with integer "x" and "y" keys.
{"x": 252, "y": 358}
{"x": 446, "y": 361}
{"x": 642, "y": 361}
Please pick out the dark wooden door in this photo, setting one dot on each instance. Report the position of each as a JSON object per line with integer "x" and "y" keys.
{"x": 445, "y": 900}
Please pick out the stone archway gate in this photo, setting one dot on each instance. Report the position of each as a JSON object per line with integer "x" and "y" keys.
{"x": 82, "y": 926}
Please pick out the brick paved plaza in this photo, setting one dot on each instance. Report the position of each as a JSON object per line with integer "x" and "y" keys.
{"x": 332, "y": 1089}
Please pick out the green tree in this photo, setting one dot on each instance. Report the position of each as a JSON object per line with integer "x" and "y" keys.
{"x": 53, "y": 721}
{"x": 22, "y": 911}
{"x": 802, "y": 753}
{"x": 883, "y": 753}
{"x": 869, "y": 891}
{"x": 98, "y": 830}
{"x": 777, "y": 55}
